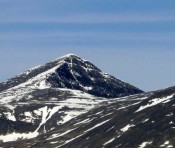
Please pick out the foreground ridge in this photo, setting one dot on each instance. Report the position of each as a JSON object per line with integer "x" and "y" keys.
{"x": 142, "y": 120}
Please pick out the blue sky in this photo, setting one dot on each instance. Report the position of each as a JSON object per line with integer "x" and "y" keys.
{"x": 132, "y": 40}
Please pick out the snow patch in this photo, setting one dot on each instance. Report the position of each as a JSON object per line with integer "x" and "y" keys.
{"x": 60, "y": 135}
{"x": 170, "y": 114}
{"x": 88, "y": 88}
{"x": 111, "y": 140}
{"x": 54, "y": 142}
{"x": 110, "y": 129}
{"x": 154, "y": 102}
{"x": 17, "y": 136}
{"x": 127, "y": 127}
{"x": 10, "y": 116}
{"x": 6, "y": 99}
{"x": 97, "y": 125}
{"x": 144, "y": 144}
{"x": 145, "y": 120}
{"x": 165, "y": 144}
{"x": 47, "y": 114}
{"x": 84, "y": 121}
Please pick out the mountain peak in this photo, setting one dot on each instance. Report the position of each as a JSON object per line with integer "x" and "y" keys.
{"x": 69, "y": 56}
{"x": 79, "y": 74}
{"x": 72, "y": 72}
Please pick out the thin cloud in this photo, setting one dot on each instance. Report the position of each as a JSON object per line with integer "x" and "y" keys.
{"x": 84, "y": 35}
{"x": 92, "y": 19}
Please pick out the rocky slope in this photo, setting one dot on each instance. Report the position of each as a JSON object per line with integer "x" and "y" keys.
{"x": 145, "y": 120}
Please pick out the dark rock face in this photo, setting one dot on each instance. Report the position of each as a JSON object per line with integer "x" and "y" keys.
{"x": 78, "y": 74}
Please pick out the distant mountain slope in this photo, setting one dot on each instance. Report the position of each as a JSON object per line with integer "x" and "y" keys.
{"x": 70, "y": 72}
